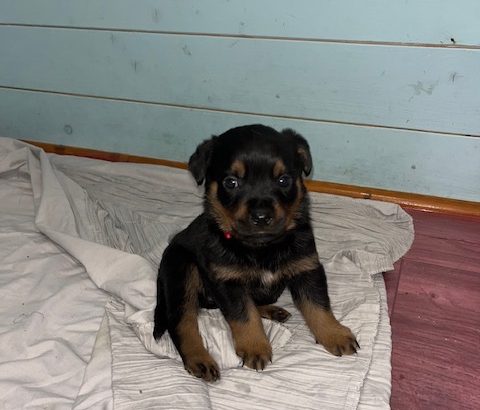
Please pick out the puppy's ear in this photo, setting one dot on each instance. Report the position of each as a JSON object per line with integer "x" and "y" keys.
{"x": 302, "y": 149}
{"x": 200, "y": 159}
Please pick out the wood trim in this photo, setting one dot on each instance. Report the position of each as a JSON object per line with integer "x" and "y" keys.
{"x": 409, "y": 200}
{"x": 104, "y": 155}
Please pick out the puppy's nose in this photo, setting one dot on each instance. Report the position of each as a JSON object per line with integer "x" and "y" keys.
{"x": 261, "y": 216}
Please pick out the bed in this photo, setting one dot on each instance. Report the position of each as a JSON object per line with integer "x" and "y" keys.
{"x": 80, "y": 241}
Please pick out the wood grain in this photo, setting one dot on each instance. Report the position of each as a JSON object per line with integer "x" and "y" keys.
{"x": 435, "y": 22}
{"x": 436, "y": 338}
{"x": 444, "y": 252}
{"x": 460, "y": 228}
{"x": 409, "y": 200}
{"x": 343, "y": 83}
{"x": 435, "y": 315}
{"x": 104, "y": 155}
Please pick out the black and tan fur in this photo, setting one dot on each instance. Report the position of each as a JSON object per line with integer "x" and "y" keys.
{"x": 253, "y": 240}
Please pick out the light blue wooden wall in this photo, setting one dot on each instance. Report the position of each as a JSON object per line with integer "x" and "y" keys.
{"x": 387, "y": 93}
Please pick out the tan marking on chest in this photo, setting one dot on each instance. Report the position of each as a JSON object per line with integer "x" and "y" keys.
{"x": 305, "y": 264}
{"x": 243, "y": 274}
{"x": 268, "y": 278}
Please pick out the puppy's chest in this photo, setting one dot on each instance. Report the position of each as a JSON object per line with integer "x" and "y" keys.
{"x": 268, "y": 278}
{"x": 265, "y": 277}
{"x": 246, "y": 274}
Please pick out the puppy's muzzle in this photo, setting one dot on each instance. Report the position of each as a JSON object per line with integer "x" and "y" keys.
{"x": 261, "y": 217}
{"x": 260, "y": 213}
{"x": 262, "y": 226}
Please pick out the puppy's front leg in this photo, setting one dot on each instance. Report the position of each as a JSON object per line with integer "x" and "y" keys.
{"x": 310, "y": 294}
{"x": 178, "y": 287}
{"x": 251, "y": 343}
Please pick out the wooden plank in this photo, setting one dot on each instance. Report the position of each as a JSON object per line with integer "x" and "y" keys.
{"x": 452, "y": 228}
{"x": 104, "y": 155}
{"x": 428, "y": 21}
{"x": 453, "y": 254}
{"x": 435, "y": 337}
{"x": 402, "y": 161}
{"x": 427, "y": 203}
{"x": 410, "y": 88}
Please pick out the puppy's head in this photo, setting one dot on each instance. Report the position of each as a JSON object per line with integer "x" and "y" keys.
{"x": 253, "y": 182}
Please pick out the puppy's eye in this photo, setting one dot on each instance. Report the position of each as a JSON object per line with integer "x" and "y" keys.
{"x": 284, "y": 181}
{"x": 230, "y": 182}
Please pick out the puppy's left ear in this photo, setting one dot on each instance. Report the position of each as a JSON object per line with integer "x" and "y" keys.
{"x": 302, "y": 148}
{"x": 200, "y": 159}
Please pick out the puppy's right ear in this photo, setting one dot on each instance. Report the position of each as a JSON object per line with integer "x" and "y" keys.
{"x": 200, "y": 159}
{"x": 303, "y": 150}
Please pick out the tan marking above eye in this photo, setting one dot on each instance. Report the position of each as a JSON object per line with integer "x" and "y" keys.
{"x": 238, "y": 168}
{"x": 279, "y": 168}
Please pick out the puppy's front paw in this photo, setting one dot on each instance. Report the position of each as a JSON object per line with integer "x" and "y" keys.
{"x": 203, "y": 367}
{"x": 255, "y": 356}
{"x": 339, "y": 341}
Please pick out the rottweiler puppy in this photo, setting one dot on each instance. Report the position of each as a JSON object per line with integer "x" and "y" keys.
{"x": 253, "y": 240}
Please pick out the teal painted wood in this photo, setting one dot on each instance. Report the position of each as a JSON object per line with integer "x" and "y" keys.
{"x": 427, "y": 21}
{"x": 405, "y": 87}
{"x": 406, "y": 161}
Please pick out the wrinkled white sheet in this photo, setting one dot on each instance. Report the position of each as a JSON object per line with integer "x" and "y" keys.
{"x": 116, "y": 219}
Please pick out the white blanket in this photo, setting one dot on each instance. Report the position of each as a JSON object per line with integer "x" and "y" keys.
{"x": 115, "y": 219}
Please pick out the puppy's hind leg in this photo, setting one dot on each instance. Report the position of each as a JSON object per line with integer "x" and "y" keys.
{"x": 180, "y": 283}
{"x": 273, "y": 312}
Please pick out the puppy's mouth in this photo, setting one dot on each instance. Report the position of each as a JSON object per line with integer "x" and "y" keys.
{"x": 259, "y": 238}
